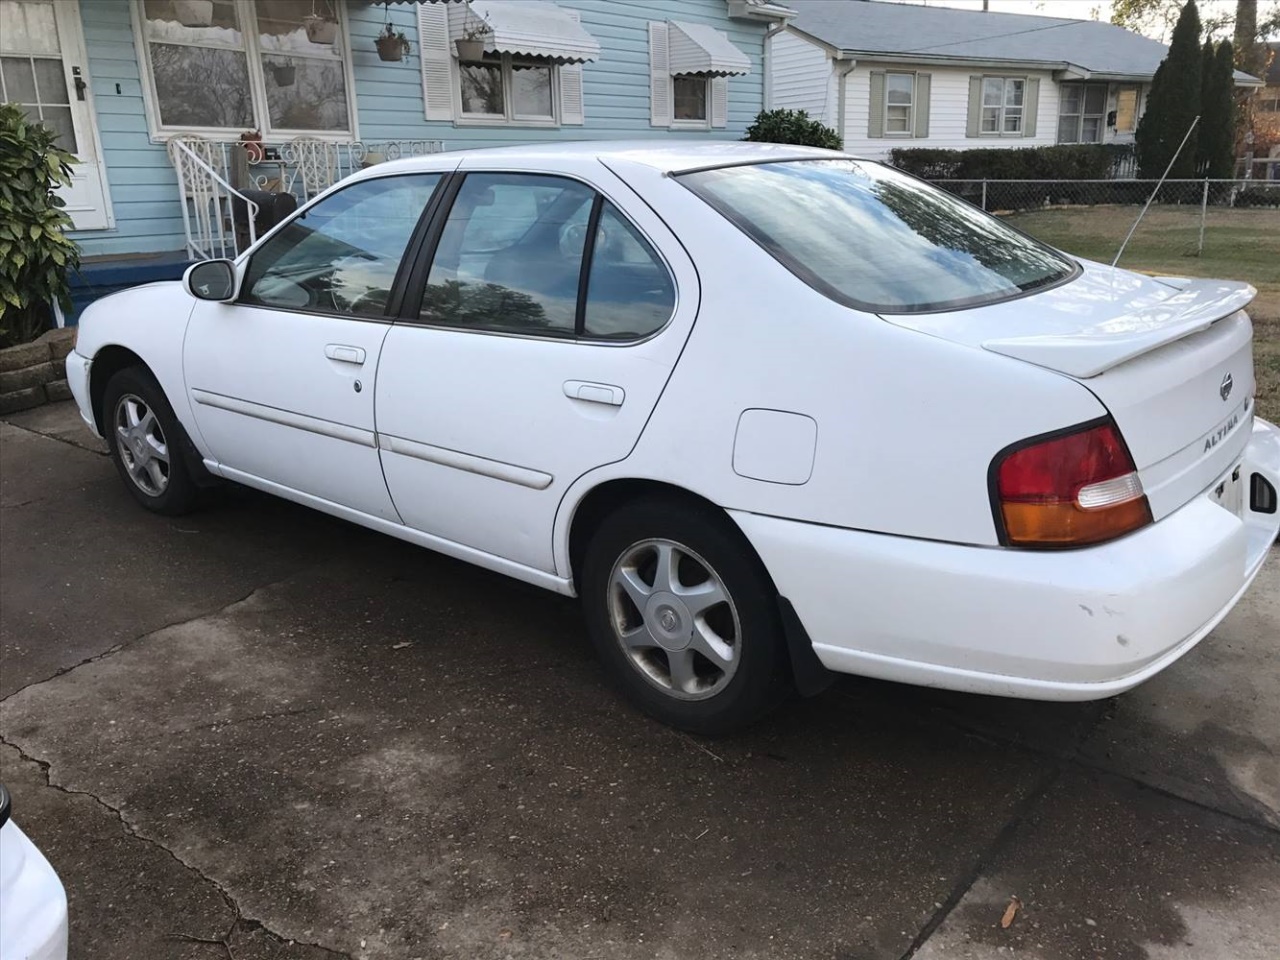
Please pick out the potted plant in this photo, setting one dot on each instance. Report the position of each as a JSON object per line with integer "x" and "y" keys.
{"x": 474, "y": 33}
{"x": 193, "y": 13}
{"x": 320, "y": 29}
{"x": 284, "y": 74}
{"x": 35, "y": 254}
{"x": 251, "y": 140}
{"x": 392, "y": 44}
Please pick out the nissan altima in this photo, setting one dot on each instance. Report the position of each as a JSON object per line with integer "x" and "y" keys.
{"x": 772, "y": 413}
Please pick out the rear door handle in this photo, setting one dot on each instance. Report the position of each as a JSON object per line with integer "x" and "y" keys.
{"x": 344, "y": 354}
{"x": 594, "y": 392}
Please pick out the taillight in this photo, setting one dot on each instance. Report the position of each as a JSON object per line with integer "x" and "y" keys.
{"x": 1069, "y": 490}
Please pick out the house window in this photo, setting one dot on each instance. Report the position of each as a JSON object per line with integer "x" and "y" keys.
{"x": 690, "y": 95}
{"x": 252, "y": 65}
{"x": 1126, "y": 109}
{"x": 501, "y": 89}
{"x": 1269, "y": 103}
{"x": 1002, "y": 105}
{"x": 899, "y": 102}
{"x": 1082, "y": 109}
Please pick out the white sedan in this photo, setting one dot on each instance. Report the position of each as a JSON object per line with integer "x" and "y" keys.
{"x": 33, "y": 904}
{"x": 771, "y": 412}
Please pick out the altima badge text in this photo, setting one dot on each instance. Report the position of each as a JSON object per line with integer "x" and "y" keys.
{"x": 1214, "y": 438}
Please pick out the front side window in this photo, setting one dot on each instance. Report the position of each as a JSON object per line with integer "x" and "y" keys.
{"x": 341, "y": 254}
{"x": 876, "y": 239}
{"x": 899, "y": 94}
{"x": 251, "y": 64}
{"x": 1002, "y": 105}
{"x": 1082, "y": 111}
{"x": 689, "y": 96}
{"x": 502, "y": 88}
{"x": 512, "y": 258}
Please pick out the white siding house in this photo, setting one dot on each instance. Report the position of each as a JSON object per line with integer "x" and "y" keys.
{"x": 888, "y": 75}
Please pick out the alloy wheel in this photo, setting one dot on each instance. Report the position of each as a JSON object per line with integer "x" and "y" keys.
{"x": 141, "y": 444}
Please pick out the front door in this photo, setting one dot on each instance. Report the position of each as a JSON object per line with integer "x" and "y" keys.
{"x": 548, "y": 329}
{"x": 44, "y": 70}
{"x": 281, "y": 381}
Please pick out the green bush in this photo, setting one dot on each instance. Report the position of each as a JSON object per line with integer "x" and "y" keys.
{"x": 792, "y": 126}
{"x": 1065, "y": 162}
{"x": 1259, "y": 197}
{"x": 35, "y": 254}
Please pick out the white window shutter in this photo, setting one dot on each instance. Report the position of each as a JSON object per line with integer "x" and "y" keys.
{"x": 1030, "y": 107}
{"x": 660, "y": 111}
{"x": 719, "y": 102}
{"x": 571, "y": 108}
{"x": 924, "y": 92}
{"x": 433, "y": 51}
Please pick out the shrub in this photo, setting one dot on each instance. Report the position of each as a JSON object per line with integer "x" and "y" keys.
{"x": 1065, "y": 162}
{"x": 1258, "y": 197}
{"x": 792, "y": 126}
{"x": 35, "y": 254}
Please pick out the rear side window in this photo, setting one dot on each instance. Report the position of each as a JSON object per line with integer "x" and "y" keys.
{"x": 341, "y": 255}
{"x": 869, "y": 236}
{"x": 544, "y": 256}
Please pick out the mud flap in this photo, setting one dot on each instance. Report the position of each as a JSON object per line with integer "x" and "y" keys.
{"x": 810, "y": 676}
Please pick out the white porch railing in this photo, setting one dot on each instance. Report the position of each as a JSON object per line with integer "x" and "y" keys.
{"x": 209, "y": 210}
{"x": 213, "y": 176}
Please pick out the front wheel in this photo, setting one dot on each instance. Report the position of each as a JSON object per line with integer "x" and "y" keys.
{"x": 684, "y": 616}
{"x": 146, "y": 442}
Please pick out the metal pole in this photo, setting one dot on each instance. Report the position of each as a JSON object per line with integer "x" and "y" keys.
{"x": 1204, "y": 209}
{"x": 1163, "y": 178}
{"x": 984, "y": 194}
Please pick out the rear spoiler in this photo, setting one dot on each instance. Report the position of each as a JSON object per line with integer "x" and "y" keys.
{"x": 1093, "y": 350}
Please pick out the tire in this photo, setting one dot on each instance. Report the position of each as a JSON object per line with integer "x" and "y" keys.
{"x": 706, "y": 665}
{"x": 150, "y": 452}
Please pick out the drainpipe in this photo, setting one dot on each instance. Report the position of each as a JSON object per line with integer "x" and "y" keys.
{"x": 845, "y": 67}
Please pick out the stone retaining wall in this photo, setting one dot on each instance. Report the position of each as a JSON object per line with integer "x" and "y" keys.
{"x": 33, "y": 373}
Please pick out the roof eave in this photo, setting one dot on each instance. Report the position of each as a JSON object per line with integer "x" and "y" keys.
{"x": 760, "y": 10}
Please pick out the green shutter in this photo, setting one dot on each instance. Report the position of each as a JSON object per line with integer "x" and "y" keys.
{"x": 924, "y": 83}
{"x": 875, "y": 116}
{"x": 1030, "y": 107}
{"x": 974, "y": 124}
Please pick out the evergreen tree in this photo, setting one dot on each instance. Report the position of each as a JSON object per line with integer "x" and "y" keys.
{"x": 1173, "y": 103}
{"x": 1218, "y": 115}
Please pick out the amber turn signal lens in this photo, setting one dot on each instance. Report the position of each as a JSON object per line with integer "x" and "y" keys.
{"x": 1065, "y": 524}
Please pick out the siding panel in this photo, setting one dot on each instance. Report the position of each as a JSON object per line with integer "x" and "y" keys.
{"x": 802, "y": 77}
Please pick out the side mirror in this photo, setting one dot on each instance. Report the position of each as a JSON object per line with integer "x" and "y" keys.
{"x": 211, "y": 280}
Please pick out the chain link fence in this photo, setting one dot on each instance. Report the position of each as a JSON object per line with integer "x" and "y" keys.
{"x": 1185, "y": 215}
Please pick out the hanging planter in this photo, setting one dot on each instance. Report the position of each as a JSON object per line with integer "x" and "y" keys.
{"x": 320, "y": 29}
{"x": 469, "y": 49}
{"x": 193, "y": 13}
{"x": 474, "y": 34}
{"x": 284, "y": 74}
{"x": 392, "y": 45}
{"x": 252, "y": 143}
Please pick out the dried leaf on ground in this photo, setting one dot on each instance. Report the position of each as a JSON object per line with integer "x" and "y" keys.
{"x": 1010, "y": 912}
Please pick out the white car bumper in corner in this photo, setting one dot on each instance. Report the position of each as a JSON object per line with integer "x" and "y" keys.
{"x": 33, "y": 905}
{"x": 78, "y": 381}
{"x": 1066, "y": 625}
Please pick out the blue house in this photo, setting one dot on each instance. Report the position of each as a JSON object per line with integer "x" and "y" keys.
{"x": 186, "y": 115}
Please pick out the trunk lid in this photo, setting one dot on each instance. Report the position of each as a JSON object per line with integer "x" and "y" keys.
{"x": 1170, "y": 359}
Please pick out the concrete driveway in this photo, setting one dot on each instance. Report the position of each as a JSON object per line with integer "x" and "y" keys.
{"x": 257, "y": 732}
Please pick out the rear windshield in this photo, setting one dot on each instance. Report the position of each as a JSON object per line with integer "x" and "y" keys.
{"x": 876, "y": 239}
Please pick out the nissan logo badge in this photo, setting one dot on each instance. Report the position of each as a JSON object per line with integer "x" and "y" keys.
{"x": 1224, "y": 391}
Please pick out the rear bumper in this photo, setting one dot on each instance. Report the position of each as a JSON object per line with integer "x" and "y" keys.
{"x": 78, "y": 381}
{"x": 1070, "y": 625}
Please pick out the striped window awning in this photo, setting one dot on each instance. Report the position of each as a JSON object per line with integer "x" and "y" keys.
{"x": 697, "y": 48}
{"x": 529, "y": 29}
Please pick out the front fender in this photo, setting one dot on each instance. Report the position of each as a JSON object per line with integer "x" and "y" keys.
{"x": 149, "y": 321}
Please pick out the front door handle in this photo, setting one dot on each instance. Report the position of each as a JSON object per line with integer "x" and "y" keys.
{"x": 605, "y": 393}
{"x": 345, "y": 354}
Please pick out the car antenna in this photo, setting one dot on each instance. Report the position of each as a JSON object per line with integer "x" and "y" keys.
{"x": 1172, "y": 161}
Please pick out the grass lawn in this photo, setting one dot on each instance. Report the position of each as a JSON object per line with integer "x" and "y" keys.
{"x": 1239, "y": 245}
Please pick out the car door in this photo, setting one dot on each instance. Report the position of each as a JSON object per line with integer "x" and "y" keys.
{"x": 549, "y": 325}
{"x": 281, "y": 380}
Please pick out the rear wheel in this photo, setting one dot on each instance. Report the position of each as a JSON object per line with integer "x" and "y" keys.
{"x": 684, "y": 616}
{"x": 146, "y": 442}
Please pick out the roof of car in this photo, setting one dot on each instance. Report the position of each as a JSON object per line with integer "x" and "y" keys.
{"x": 668, "y": 156}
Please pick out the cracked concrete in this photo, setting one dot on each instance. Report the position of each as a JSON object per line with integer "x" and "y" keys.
{"x": 308, "y": 734}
